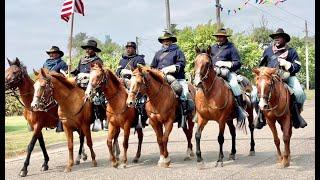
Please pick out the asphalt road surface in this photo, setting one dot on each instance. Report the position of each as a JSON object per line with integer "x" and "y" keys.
{"x": 261, "y": 166}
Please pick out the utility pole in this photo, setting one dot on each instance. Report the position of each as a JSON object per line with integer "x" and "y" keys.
{"x": 137, "y": 45}
{"x": 168, "y": 16}
{"x": 218, "y": 9}
{"x": 307, "y": 56}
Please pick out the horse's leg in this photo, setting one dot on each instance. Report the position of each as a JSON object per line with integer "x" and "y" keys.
{"x": 276, "y": 139}
{"x": 81, "y": 137}
{"x": 157, "y": 127}
{"x": 221, "y": 141}
{"x": 125, "y": 144}
{"x": 232, "y": 129}
{"x": 201, "y": 123}
{"x": 111, "y": 134}
{"x": 87, "y": 133}
{"x": 69, "y": 134}
{"x": 115, "y": 146}
{"x": 251, "y": 127}
{"x": 168, "y": 128}
{"x": 287, "y": 132}
{"x": 45, "y": 166}
{"x": 140, "y": 137}
{"x": 24, "y": 170}
{"x": 188, "y": 133}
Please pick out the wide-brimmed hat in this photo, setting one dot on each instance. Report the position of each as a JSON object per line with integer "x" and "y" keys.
{"x": 91, "y": 44}
{"x": 169, "y": 36}
{"x": 131, "y": 44}
{"x": 55, "y": 49}
{"x": 221, "y": 32}
{"x": 280, "y": 32}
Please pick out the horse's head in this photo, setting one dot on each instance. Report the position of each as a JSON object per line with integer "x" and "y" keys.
{"x": 43, "y": 91}
{"x": 264, "y": 77}
{"x": 202, "y": 65}
{"x": 14, "y": 74}
{"x": 137, "y": 84}
{"x": 97, "y": 78}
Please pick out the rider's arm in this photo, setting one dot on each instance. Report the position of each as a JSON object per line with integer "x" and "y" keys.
{"x": 295, "y": 61}
{"x": 235, "y": 59}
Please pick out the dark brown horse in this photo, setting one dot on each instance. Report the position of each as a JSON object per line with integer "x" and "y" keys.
{"x": 275, "y": 105}
{"x": 74, "y": 112}
{"x": 161, "y": 107}
{"x": 215, "y": 101}
{"x": 118, "y": 113}
{"x": 16, "y": 76}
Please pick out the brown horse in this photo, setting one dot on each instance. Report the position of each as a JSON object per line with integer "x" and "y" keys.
{"x": 73, "y": 111}
{"x": 16, "y": 76}
{"x": 275, "y": 105}
{"x": 118, "y": 113}
{"x": 161, "y": 107}
{"x": 215, "y": 101}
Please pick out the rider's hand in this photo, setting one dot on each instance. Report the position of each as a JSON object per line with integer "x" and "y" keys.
{"x": 286, "y": 64}
{"x": 169, "y": 69}
{"x": 125, "y": 72}
{"x": 227, "y": 64}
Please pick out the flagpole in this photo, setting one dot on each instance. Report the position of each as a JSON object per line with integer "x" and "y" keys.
{"x": 70, "y": 44}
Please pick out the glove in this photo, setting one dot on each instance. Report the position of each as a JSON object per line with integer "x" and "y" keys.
{"x": 227, "y": 64}
{"x": 125, "y": 72}
{"x": 286, "y": 64}
{"x": 169, "y": 69}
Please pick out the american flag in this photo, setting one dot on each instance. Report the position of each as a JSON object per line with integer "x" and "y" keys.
{"x": 70, "y": 6}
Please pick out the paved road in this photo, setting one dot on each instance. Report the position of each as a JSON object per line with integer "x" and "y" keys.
{"x": 261, "y": 166}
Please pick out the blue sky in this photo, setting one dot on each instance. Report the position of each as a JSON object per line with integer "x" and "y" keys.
{"x": 33, "y": 26}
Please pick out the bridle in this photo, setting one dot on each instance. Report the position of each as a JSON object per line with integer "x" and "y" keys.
{"x": 206, "y": 75}
{"x": 45, "y": 96}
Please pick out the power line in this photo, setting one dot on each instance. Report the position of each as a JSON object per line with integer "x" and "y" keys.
{"x": 304, "y": 19}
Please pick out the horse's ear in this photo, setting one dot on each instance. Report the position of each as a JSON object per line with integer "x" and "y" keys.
{"x": 256, "y": 71}
{"x": 273, "y": 70}
{"x": 35, "y": 72}
{"x": 43, "y": 73}
{"x": 209, "y": 50}
{"x": 10, "y": 63}
{"x": 197, "y": 50}
{"x": 17, "y": 62}
{"x": 139, "y": 67}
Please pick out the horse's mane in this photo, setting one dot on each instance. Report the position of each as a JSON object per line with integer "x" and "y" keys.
{"x": 156, "y": 74}
{"x": 61, "y": 78}
{"x": 112, "y": 77}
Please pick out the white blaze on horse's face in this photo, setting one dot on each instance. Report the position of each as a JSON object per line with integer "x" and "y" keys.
{"x": 131, "y": 98}
{"x": 35, "y": 101}
{"x": 262, "y": 102}
{"x": 197, "y": 78}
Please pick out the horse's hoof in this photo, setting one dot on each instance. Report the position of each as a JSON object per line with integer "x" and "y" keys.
{"x": 135, "y": 160}
{"x": 200, "y": 165}
{"x": 252, "y": 153}
{"x": 23, "y": 173}
{"x": 77, "y": 162}
{"x": 85, "y": 157}
{"x": 67, "y": 169}
{"x": 94, "y": 163}
{"x": 44, "y": 168}
{"x": 232, "y": 157}
{"x": 221, "y": 163}
{"x": 192, "y": 154}
{"x": 115, "y": 164}
{"x": 187, "y": 158}
{"x": 123, "y": 166}
{"x": 164, "y": 165}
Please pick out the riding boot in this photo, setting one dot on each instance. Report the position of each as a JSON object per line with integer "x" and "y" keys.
{"x": 297, "y": 119}
{"x": 259, "y": 119}
{"x": 59, "y": 127}
{"x": 241, "y": 113}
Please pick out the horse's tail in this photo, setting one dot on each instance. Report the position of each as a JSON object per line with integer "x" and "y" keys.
{"x": 242, "y": 125}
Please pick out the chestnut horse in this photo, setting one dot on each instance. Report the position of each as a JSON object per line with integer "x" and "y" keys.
{"x": 161, "y": 107}
{"x": 16, "y": 76}
{"x": 118, "y": 113}
{"x": 73, "y": 111}
{"x": 275, "y": 106}
{"x": 215, "y": 101}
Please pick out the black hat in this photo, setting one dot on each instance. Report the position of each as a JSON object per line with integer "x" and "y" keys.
{"x": 221, "y": 32}
{"x": 280, "y": 32}
{"x": 131, "y": 44}
{"x": 169, "y": 36}
{"x": 91, "y": 44}
{"x": 55, "y": 49}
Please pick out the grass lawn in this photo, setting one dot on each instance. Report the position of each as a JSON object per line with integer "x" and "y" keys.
{"x": 310, "y": 94}
{"x": 17, "y": 136}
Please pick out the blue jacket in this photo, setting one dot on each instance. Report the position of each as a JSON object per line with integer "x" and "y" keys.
{"x": 130, "y": 62}
{"x": 229, "y": 53}
{"x": 174, "y": 57}
{"x": 269, "y": 61}
{"x": 85, "y": 64}
{"x": 55, "y": 65}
